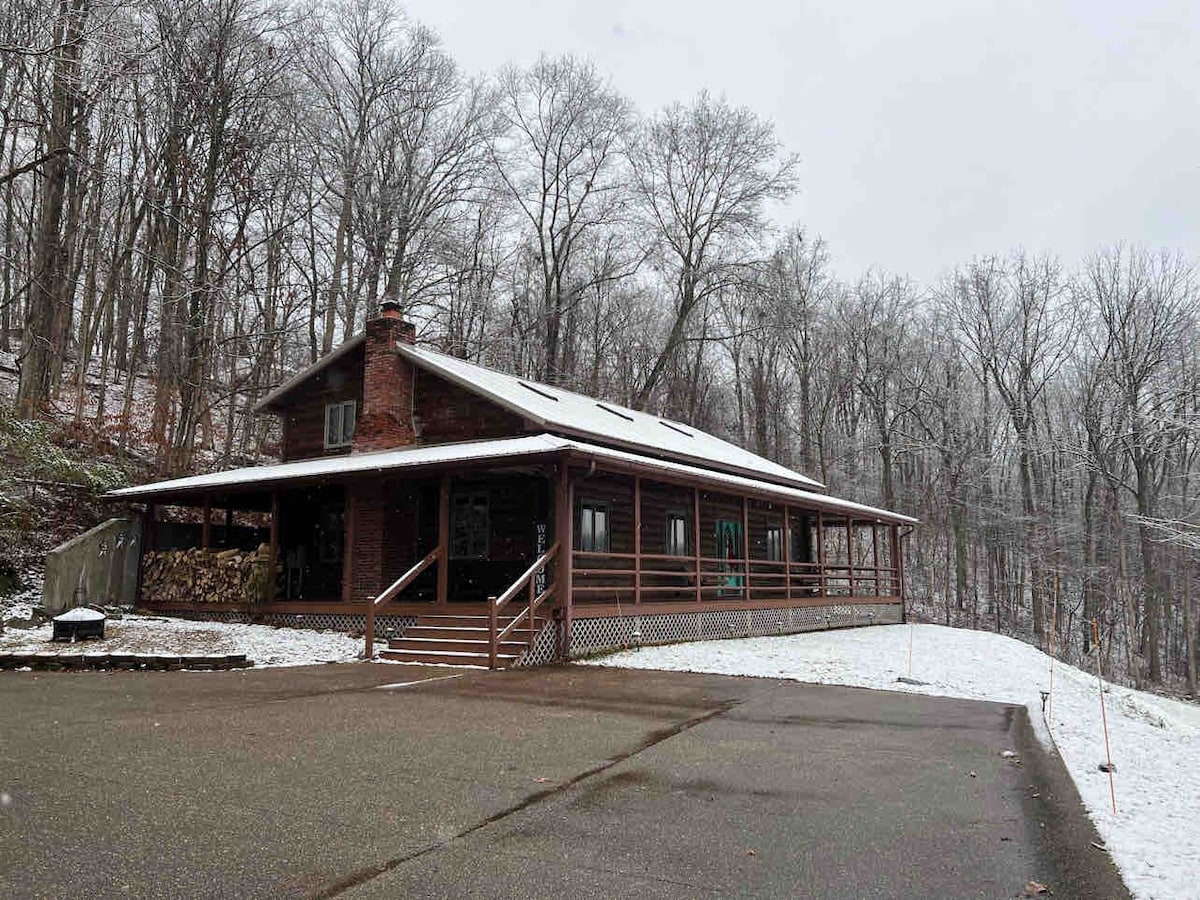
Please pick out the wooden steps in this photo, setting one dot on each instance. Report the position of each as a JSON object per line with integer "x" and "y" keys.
{"x": 458, "y": 641}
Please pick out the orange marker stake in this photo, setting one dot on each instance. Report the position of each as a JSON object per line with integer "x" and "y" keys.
{"x": 1104, "y": 716}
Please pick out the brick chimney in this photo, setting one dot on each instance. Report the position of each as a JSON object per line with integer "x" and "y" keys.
{"x": 386, "y": 418}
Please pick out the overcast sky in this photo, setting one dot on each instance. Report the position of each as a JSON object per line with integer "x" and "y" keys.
{"x": 929, "y": 132}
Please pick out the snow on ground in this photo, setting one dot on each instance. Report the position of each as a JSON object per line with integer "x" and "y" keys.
{"x": 264, "y": 644}
{"x": 1155, "y": 835}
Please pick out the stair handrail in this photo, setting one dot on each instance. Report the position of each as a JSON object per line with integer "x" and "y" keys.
{"x": 391, "y": 591}
{"x": 495, "y": 604}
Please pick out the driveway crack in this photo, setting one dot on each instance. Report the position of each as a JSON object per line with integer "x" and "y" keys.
{"x": 653, "y": 739}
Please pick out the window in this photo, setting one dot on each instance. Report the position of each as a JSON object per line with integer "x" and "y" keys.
{"x": 469, "y": 525}
{"x": 593, "y": 527}
{"x": 677, "y": 534}
{"x": 339, "y": 424}
{"x": 775, "y": 543}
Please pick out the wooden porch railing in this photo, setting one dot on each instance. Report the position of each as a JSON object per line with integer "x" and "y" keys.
{"x": 526, "y": 582}
{"x": 392, "y": 590}
{"x": 654, "y": 576}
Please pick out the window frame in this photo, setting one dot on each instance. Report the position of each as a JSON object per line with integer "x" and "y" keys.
{"x": 339, "y": 408}
{"x": 678, "y": 515}
{"x": 774, "y": 541}
{"x": 590, "y": 508}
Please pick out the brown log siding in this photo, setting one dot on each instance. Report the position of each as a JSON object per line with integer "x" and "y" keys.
{"x": 446, "y": 413}
{"x": 303, "y": 418}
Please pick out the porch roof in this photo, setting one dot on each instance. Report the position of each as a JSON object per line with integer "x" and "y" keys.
{"x": 504, "y": 451}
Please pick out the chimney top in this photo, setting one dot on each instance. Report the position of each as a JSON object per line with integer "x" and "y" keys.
{"x": 390, "y": 309}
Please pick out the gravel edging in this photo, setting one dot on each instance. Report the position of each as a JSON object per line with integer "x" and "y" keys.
{"x": 49, "y": 661}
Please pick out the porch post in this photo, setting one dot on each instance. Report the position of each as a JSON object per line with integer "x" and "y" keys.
{"x": 273, "y": 555}
{"x": 206, "y": 525}
{"x": 228, "y": 526}
{"x": 348, "y": 546}
{"x": 875, "y": 553}
{"x": 786, "y": 537}
{"x": 696, "y": 542}
{"x": 637, "y": 539}
{"x": 564, "y": 535}
{"x": 443, "y": 574}
{"x": 144, "y": 545}
{"x": 850, "y": 552}
{"x": 822, "y": 584}
{"x": 369, "y": 624}
{"x": 746, "y": 544}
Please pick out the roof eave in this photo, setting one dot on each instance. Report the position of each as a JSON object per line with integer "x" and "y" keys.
{"x": 270, "y": 402}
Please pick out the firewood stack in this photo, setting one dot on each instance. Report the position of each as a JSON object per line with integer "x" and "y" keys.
{"x": 205, "y": 576}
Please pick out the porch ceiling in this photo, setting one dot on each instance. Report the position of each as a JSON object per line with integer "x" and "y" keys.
{"x": 503, "y": 452}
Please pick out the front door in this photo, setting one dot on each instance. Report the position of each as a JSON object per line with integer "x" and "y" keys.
{"x": 729, "y": 553}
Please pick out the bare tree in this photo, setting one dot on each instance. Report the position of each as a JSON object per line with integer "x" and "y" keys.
{"x": 559, "y": 155}
{"x": 704, "y": 174}
{"x": 1142, "y": 304}
{"x": 50, "y": 302}
{"x": 1018, "y": 322}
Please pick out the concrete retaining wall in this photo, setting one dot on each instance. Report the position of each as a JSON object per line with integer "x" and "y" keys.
{"x": 99, "y": 566}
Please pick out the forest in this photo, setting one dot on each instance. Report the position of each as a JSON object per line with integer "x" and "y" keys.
{"x": 202, "y": 196}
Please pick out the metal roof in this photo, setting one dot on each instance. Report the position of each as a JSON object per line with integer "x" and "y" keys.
{"x": 502, "y": 450}
{"x": 567, "y": 412}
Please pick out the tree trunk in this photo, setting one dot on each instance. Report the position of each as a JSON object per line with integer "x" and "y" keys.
{"x": 47, "y": 299}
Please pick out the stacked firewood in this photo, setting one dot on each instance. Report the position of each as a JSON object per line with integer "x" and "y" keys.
{"x": 205, "y": 576}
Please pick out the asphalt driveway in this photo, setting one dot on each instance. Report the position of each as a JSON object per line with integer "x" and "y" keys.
{"x": 386, "y": 781}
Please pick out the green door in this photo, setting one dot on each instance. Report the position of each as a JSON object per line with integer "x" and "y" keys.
{"x": 729, "y": 553}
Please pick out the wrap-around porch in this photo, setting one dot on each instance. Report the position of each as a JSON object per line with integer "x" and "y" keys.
{"x": 484, "y": 537}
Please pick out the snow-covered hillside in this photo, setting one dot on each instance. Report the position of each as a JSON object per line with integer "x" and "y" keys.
{"x": 1155, "y": 834}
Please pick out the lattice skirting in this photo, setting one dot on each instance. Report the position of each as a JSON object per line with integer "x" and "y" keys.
{"x": 544, "y": 649}
{"x": 385, "y": 626}
{"x": 590, "y": 636}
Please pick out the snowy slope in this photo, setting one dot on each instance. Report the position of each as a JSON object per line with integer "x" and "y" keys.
{"x": 1155, "y": 834}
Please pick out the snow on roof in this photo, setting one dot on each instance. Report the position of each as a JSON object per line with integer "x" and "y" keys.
{"x": 560, "y": 410}
{"x": 355, "y": 463}
{"x": 501, "y": 449}
{"x": 737, "y": 483}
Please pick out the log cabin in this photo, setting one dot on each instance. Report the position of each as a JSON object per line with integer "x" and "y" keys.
{"x": 468, "y": 516}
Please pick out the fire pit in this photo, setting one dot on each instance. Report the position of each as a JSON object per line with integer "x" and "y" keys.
{"x": 78, "y": 624}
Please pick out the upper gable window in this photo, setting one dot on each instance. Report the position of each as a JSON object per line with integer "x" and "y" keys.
{"x": 339, "y": 424}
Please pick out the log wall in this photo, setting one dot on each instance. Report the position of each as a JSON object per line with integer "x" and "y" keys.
{"x": 304, "y": 418}
{"x": 446, "y": 413}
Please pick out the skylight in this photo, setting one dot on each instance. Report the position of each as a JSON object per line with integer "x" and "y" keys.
{"x": 615, "y": 412}
{"x": 537, "y": 390}
{"x": 675, "y": 428}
